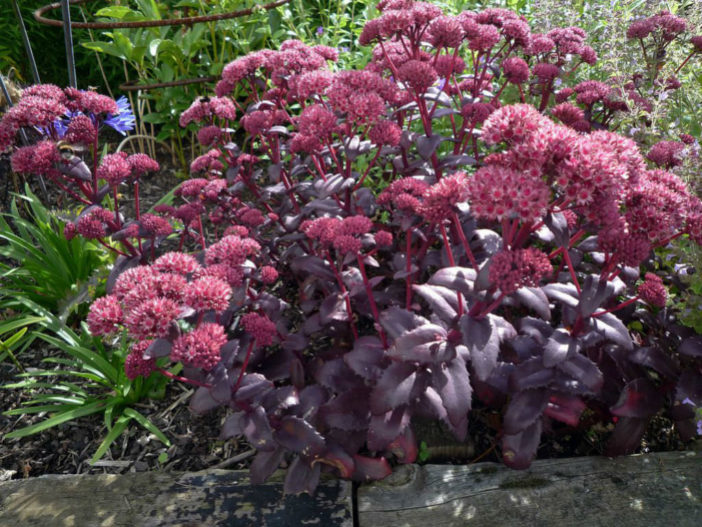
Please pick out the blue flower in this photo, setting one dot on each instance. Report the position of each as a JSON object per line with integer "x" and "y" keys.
{"x": 320, "y": 30}
{"x": 123, "y": 121}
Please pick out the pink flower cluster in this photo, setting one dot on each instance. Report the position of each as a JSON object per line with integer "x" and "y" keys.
{"x": 667, "y": 154}
{"x": 440, "y": 199}
{"x": 206, "y": 109}
{"x": 510, "y": 270}
{"x": 344, "y": 235}
{"x": 668, "y": 25}
{"x": 200, "y": 348}
{"x": 135, "y": 364}
{"x": 652, "y": 291}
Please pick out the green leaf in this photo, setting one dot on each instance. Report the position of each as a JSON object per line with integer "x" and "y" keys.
{"x": 143, "y": 421}
{"x": 61, "y": 417}
{"x": 116, "y": 11}
{"x": 113, "y": 434}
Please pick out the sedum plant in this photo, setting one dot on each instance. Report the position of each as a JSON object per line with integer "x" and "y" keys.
{"x": 405, "y": 239}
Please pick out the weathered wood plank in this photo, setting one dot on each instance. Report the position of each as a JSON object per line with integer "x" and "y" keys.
{"x": 159, "y": 499}
{"x": 646, "y": 490}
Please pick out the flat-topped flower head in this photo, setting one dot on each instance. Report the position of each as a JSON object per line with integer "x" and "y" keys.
{"x": 135, "y": 364}
{"x": 231, "y": 250}
{"x": 152, "y": 318}
{"x": 105, "y": 316}
{"x": 38, "y": 159}
{"x": 510, "y": 270}
{"x": 667, "y": 154}
{"x": 652, "y": 291}
{"x": 114, "y": 168}
{"x": 516, "y": 70}
{"x": 511, "y": 124}
{"x": 260, "y": 327}
{"x": 200, "y": 348}
{"x": 208, "y": 293}
{"x": 440, "y": 199}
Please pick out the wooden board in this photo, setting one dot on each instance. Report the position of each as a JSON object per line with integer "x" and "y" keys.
{"x": 637, "y": 491}
{"x": 155, "y": 499}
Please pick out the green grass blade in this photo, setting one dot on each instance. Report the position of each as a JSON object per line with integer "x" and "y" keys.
{"x": 62, "y": 417}
{"x": 111, "y": 436}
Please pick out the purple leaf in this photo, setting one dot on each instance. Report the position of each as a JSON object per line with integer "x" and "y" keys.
{"x": 264, "y": 464}
{"x": 426, "y": 146}
{"x": 442, "y": 300}
{"x": 626, "y": 437}
{"x": 258, "y": 430}
{"x": 559, "y": 347}
{"x": 453, "y": 385}
{"x": 518, "y": 450}
{"x": 253, "y": 387}
{"x": 76, "y": 168}
{"x": 530, "y": 374}
{"x": 524, "y": 408}
{"x": 639, "y": 399}
{"x": 397, "y": 321}
{"x": 584, "y": 371}
{"x": 558, "y": 225}
{"x": 481, "y": 339}
{"x": 431, "y": 404}
{"x": 534, "y": 298}
{"x": 425, "y": 344}
{"x": 333, "y": 308}
{"x": 337, "y": 457}
{"x": 384, "y": 429}
{"x": 281, "y": 398}
{"x": 312, "y": 265}
{"x": 221, "y": 388}
{"x": 158, "y": 348}
{"x": 564, "y": 293}
{"x": 347, "y": 411}
{"x": 689, "y": 387}
{"x": 593, "y": 294}
{"x": 367, "y": 358}
{"x": 337, "y": 376}
{"x": 404, "y": 447}
{"x": 370, "y": 468}
{"x": 299, "y": 436}
{"x": 202, "y": 401}
{"x": 459, "y": 279}
{"x": 311, "y": 399}
{"x": 535, "y": 328}
{"x": 301, "y": 477}
{"x": 565, "y": 408}
{"x": 233, "y": 426}
{"x": 395, "y": 387}
{"x": 691, "y": 346}
{"x": 655, "y": 359}
{"x": 613, "y": 329}
{"x": 333, "y": 185}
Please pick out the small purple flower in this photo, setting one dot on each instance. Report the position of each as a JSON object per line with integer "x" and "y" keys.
{"x": 320, "y": 31}
{"x": 123, "y": 121}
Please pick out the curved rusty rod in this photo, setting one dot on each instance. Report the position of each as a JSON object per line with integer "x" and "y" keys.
{"x": 39, "y": 17}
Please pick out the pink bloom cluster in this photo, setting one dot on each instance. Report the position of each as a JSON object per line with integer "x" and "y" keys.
{"x": 510, "y": 270}
{"x": 206, "y": 109}
{"x": 344, "y": 235}
{"x": 667, "y": 154}
{"x": 135, "y": 364}
{"x": 652, "y": 291}
{"x": 200, "y": 348}
{"x": 668, "y": 25}
{"x": 440, "y": 199}
{"x": 260, "y": 327}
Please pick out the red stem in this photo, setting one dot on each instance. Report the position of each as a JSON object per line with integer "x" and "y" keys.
{"x": 183, "y": 379}
{"x": 371, "y": 299}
